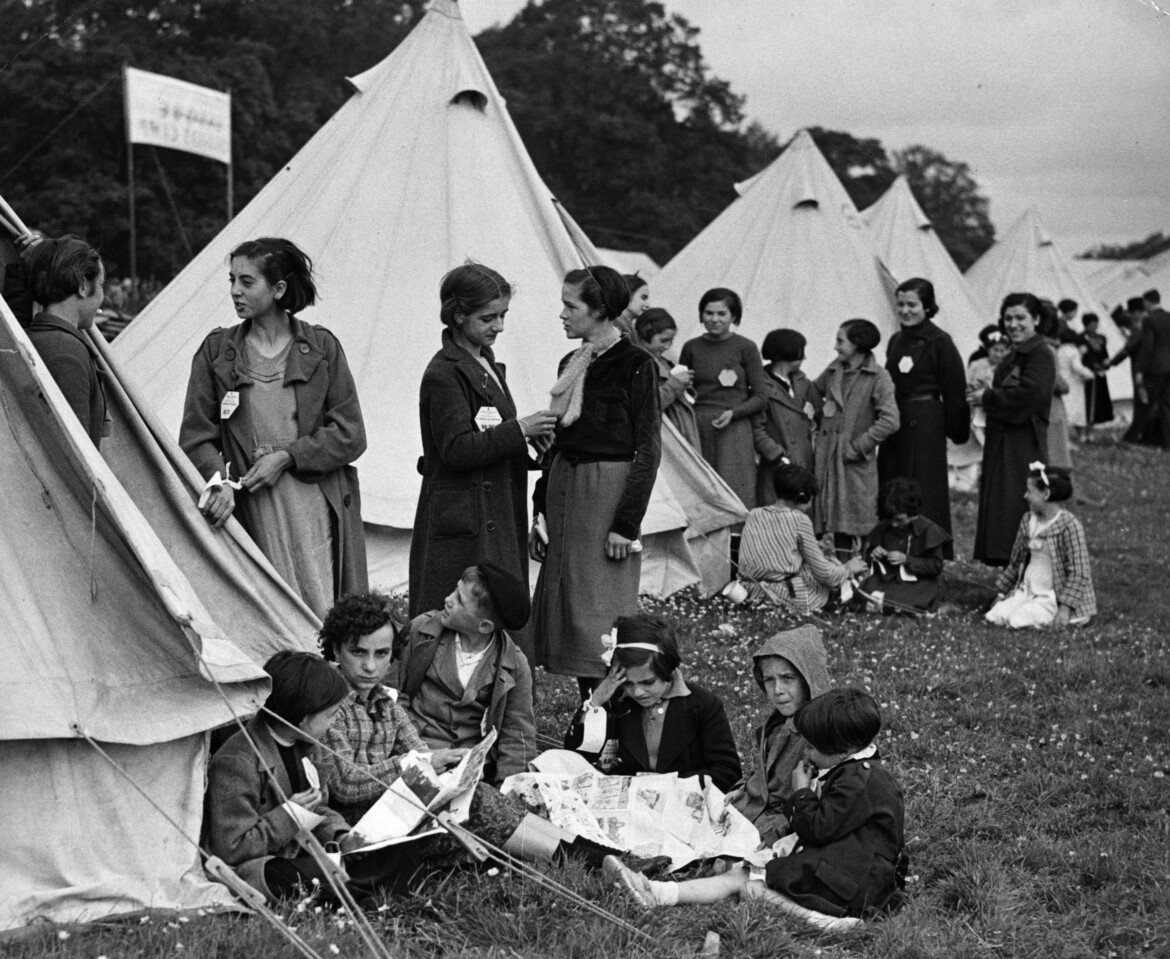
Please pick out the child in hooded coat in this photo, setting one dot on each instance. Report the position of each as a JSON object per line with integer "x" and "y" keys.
{"x": 791, "y": 668}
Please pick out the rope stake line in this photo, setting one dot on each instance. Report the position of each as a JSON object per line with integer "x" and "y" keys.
{"x": 252, "y": 898}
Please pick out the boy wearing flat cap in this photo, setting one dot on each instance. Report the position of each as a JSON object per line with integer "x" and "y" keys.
{"x": 461, "y": 674}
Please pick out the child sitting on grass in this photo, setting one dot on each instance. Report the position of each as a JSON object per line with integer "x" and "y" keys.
{"x": 780, "y": 559}
{"x": 1048, "y": 573}
{"x": 644, "y": 717}
{"x": 905, "y": 551}
{"x": 460, "y": 674}
{"x": 790, "y": 669}
{"x": 848, "y": 820}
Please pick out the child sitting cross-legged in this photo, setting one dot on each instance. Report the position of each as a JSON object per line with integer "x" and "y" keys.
{"x": 1048, "y": 573}
{"x": 780, "y": 560}
{"x": 644, "y": 717}
{"x": 905, "y": 551}
{"x": 847, "y": 816}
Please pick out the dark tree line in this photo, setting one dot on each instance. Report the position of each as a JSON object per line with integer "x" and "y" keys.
{"x": 1152, "y": 245}
{"x": 623, "y": 117}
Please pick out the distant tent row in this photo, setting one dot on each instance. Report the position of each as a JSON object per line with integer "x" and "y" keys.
{"x": 1116, "y": 281}
{"x": 419, "y": 171}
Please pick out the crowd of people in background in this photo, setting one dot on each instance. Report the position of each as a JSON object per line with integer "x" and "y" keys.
{"x": 845, "y": 477}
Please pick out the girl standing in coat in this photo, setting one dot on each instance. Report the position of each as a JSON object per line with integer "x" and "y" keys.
{"x": 1098, "y": 402}
{"x": 931, "y": 390}
{"x": 597, "y": 480}
{"x": 472, "y": 506}
{"x": 271, "y": 403}
{"x": 859, "y": 411}
{"x": 785, "y": 427}
{"x": 729, "y": 381}
{"x": 1017, "y": 405}
{"x": 68, "y": 277}
{"x": 656, "y": 332}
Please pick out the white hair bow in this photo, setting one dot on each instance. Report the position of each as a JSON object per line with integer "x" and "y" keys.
{"x": 1040, "y": 468}
{"x": 608, "y": 645}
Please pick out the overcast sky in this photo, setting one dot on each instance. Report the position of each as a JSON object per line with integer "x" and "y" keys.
{"x": 1064, "y": 104}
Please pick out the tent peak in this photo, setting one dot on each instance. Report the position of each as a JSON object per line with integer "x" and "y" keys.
{"x": 446, "y": 8}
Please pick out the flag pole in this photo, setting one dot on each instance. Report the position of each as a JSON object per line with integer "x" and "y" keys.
{"x": 130, "y": 185}
{"x": 230, "y": 167}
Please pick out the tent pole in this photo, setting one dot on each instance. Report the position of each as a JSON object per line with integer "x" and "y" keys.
{"x": 130, "y": 185}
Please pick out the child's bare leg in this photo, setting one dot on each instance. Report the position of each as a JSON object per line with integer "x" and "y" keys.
{"x": 713, "y": 888}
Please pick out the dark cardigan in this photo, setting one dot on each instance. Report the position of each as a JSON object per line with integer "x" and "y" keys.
{"x": 696, "y": 738}
{"x": 72, "y": 362}
{"x": 620, "y": 421}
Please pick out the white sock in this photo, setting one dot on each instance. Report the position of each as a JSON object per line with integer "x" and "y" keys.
{"x": 665, "y": 893}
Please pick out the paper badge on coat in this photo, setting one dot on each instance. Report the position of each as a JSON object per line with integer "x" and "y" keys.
{"x": 809, "y": 411}
{"x": 229, "y": 404}
{"x": 905, "y": 364}
{"x": 487, "y": 417}
{"x": 727, "y": 379}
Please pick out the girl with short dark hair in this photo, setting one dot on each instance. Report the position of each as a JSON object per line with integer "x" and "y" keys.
{"x": 656, "y": 332}
{"x": 473, "y": 502}
{"x": 597, "y": 479}
{"x": 730, "y": 390}
{"x": 858, "y": 413}
{"x": 645, "y": 717}
{"x": 67, "y": 276}
{"x": 272, "y": 406}
{"x": 784, "y": 429}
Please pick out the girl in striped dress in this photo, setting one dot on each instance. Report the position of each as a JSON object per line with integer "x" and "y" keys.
{"x": 780, "y": 560}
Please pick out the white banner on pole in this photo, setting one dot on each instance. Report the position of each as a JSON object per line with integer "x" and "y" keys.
{"x": 173, "y": 113}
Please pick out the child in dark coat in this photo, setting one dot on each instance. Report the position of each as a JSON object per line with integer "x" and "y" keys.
{"x": 644, "y": 717}
{"x": 906, "y": 553}
{"x": 848, "y": 821}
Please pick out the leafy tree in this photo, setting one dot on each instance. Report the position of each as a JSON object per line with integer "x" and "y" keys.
{"x": 284, "y": 62}
{"x": 949, "y": 195}
{"x": 862, "y": 166}
{"x": 623, "y": 118}
{"x": 1152, "y": 245}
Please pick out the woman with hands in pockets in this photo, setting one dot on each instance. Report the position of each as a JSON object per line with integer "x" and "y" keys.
{"x": 472, "y": 507}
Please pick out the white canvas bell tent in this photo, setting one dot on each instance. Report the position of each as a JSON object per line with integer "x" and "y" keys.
{"x": 103, "y": 634}
{"x": 1026, "y": 260}
{"x": 1102, "y": 274}
{"x": 909, "y": 246}
{"x": 795, "y": 250}
{"x": 1131, "y": 278}
{"x": 630, "y": 261}
{"x": 421, "y": 170}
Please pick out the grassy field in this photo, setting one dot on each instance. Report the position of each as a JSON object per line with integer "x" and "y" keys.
{"x": 1034, "y": 765}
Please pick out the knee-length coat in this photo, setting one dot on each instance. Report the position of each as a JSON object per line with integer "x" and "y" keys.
{"x": 330, "y": 431}
{"x": 1017, "y": 405}
{"x": 784, "y": 428}
{"x": 472, "y": 507}
{"x": 858, "y": 412}
{"x": 930, "y": 385}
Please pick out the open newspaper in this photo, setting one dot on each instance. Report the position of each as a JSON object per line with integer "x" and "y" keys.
{"x": 400, "y": 814}
{"x": 655, "y": 814}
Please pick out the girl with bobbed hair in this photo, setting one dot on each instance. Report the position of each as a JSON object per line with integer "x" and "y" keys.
{"x": 68, "y": 277}
{"x": 930, "y": 386}
{"x": 730, "y": 390}
{"x": 644, "y": 717}
{"x": 656, "y": 332}
{"x": 596, "y": 481}
{"x": 1017, "y": 405}
{"x": 784, "y": 429}
{"x": 858, "y": 412}
{"x": 639, "y": 292}
{"x": 473, "y": 502}
{"x": 272, "y": 406}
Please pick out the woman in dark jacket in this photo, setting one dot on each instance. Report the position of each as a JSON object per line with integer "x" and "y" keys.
{"x": 930, "y": 386}
{"x": 597, "y": 480}
{"x": 472, "y": 507}
{"x": 272, "y": 403}
{"x": 644, "y": 717}
{"x": 1017, "y": 405}
{"x": 68, "y": 277}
